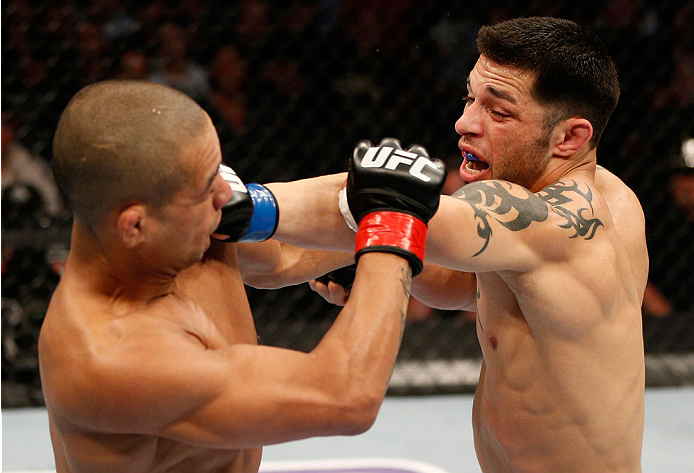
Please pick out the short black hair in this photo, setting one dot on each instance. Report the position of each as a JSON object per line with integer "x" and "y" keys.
{"x": 574, "y": 73}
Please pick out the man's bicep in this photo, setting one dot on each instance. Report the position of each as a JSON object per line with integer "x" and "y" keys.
{"x": 444, "y": 288}
{"x": 233, "y": 397}
{"x": 488, "y": 226}
{"x": 259, "y": 257}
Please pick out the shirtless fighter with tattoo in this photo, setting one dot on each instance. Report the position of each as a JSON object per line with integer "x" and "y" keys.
{"x": 545, "y": 245}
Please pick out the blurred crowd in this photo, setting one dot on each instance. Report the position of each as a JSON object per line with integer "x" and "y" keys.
{"x": 292, "y": 85}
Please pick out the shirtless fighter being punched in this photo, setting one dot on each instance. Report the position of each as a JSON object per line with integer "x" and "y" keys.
{"x": 148, "y": 353}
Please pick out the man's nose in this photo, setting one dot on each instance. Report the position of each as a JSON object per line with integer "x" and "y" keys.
{"x": 469, "y": 122}
{"x": 223, "y": 193}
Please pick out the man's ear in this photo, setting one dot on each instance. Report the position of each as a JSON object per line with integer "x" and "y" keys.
{"x": 571, "y": 135}
{"x": 130, "y": 222}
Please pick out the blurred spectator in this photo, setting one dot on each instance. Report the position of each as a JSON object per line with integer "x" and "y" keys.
{"x": 28, "y": 188}
{"x": 173, "y": 66}
{"x": 671, "y": 279}
{"x": 118, "y": 22}
{"x": 133, "y": 64}
{"x": 92, "y": 46}
{"x": 254, "y": 27}
{"x": 682, "y": 190}
{"x": 679, "y": 92}
{"x": 655, "y": 303}
{"x": 285, "y": 77}
{"x": 229, "y": 72}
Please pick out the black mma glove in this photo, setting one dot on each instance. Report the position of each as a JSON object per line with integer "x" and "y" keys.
{"x": 392, "y": 193}
{"x": 342, "y": 276}
{"x": 251, "y": 214}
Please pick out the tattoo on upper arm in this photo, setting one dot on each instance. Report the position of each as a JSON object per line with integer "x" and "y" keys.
{"x": 493, "y": 200}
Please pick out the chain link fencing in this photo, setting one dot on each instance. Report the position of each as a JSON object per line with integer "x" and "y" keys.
{"x": 291, "y": 86}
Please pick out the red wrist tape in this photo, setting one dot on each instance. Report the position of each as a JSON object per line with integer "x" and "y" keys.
{"x": 394, "y": 229}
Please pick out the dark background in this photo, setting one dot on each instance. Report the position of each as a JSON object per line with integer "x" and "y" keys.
{"x": 291, "y": 86}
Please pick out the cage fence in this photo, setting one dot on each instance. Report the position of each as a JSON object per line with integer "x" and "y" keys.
{"x": 291, "y": 86}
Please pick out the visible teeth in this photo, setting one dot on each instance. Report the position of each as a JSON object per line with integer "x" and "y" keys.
{"x": 471, "y": 168}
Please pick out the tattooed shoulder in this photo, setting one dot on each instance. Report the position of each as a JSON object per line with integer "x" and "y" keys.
{"x": 515, "y": 207}
{"x": 560, "y": 195}
{"x": 493, "y": 200}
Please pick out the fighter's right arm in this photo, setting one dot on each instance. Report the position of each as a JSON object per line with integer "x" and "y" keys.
{"x": 162, "y": 379}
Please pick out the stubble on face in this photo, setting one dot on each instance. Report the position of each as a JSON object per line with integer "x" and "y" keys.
{"x": 524, "y": 164}
{"x": 519, "y": 162}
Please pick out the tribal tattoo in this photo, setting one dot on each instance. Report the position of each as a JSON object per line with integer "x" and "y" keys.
{"x": 555, "y": 196}
{"x": 493, "y": 200}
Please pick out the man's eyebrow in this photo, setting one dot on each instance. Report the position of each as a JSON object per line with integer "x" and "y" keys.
{"x": 495, "y": 92}
{"x": 500, "y": 94}
{"x": 211, "y": 179}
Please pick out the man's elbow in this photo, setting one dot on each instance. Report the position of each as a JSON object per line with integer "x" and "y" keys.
{"x": 353, "y": 401}
{"x": 361, "y": 412}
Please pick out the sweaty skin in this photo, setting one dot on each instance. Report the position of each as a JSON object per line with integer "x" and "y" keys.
{"x": 149, "y": 356}
{"x": 561, "y": 387}
{"x": 560, "y": 265}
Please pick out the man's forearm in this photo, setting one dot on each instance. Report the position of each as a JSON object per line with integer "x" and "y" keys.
{"x": 288, "y": 264}
{"x": 309, "y": 214}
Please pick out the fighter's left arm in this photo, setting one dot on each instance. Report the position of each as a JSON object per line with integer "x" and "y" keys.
{"x": 310, "y": 239}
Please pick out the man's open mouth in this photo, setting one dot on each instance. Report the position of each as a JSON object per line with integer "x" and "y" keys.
{"x": 473, "y": 164}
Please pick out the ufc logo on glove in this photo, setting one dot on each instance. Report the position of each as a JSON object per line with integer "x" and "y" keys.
{"x": 391, "y": 158}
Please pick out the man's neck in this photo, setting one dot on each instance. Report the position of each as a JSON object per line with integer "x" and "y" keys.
{"x": 105, "y": 269}
{"x": 585, "y": 164}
